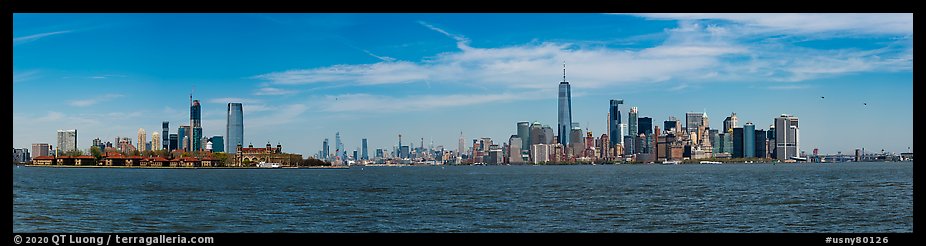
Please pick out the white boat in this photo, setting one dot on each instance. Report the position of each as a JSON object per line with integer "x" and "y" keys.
{"x": 268, "y": 165}
{"x": 711, "y": 162}
{"x": 670, "y": 162}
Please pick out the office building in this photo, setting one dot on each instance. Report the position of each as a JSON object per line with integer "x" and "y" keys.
{"x": 565, "y": 110}
{"x": 645, "y": 125}
{"x": 234, "y": 126}
{"x": 614, "y": 121}
{"x": 729, "y": 123}
{"x": 365, "y": 153}
{"x": 21, "y": 155}
{"x": 172, "y": 142}
{"x": 749, "y": 140}
{"x": 787, "y": 137}
{"x": 41, "y": 149}
{"x": 693, "y": 120}
{"x": 67, "y": 141}
{"x": 218, "y": 143}
{"x": 738, "y": 145}
{"x": 165, "y": 134}
{"x": 524, "y": 133}
{"x": 156, "y": 141}
{"x": 142, "y": 139}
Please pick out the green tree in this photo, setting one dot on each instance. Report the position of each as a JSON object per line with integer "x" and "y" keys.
{"x": 75, "y": 152}
{"x": 97, "y": 153}
{"x": 246, "y": 162}
{"x": 223, "y": 158}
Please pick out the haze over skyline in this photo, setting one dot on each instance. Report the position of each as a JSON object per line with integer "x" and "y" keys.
{"x": 303, "y": 77}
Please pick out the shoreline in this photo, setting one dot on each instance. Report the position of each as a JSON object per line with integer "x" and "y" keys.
{"x": 140, "y": 167}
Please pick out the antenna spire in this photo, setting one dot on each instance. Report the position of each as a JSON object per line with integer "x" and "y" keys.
{"x": 564, "y": 70}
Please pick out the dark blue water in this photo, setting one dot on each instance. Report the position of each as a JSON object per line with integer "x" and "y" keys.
{"x": 845, "y": 197}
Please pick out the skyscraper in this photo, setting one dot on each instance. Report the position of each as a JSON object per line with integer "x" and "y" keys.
{"x": 142, "y": 139}
{"x": 729, "y": 123}
{"x": 693, "y": 120}
{"x": 195, "y": 122}
{"x": 738, "y": 142}
{"x": 524, "y": 134}
{"x": 761, "y": 144}
{"x": 565, "y": 110}
{"x": 183, "y": 134}
{"x": 218, "y": 143}
{"x": 156, "y": 141}
{"x": 514, "y": 152}
{"x": 41, "y": 149}
{"x": 787, "y": 137}
{"x": 460, "y": 146}
{"x": 172, "y": 142}
{"x": 234, "y": 126}
{"x": 326, "y": 150}
{"x": 671, "y": 125}
{"x": 547, "y": 134}
{"x": 614, "y": 121}
{"x": 365, "y": 155}
{"x": 165, "y": 133}
{"x": 749, "y": 140}
{"x": 67, "y": 141}
{"x": 632, "y": 129}
{"x": 536, "y": 134}
{"x": 645, "y": 125}
{"x": 337, "y": 145}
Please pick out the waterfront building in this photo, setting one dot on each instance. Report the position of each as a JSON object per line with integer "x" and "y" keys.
{"x": 536, "y": 134}
{"x": 234, "y": 126}
{"x": 21, "y": 155}
{"x": 749, "y": 140}
{"x": 514, "y": 149}
{"x": 326, "y": 150}
{"x": 738, "y": 145}
{"x": 540, "y": 153}
{"x": 41, "y": 149}
{"x": 671, "y": 125}
{"x": 98, "y": 143}
{"x": 761, "y": 144}
{"x": 142, "y": 139}
{"x": 268, "y": 154}
{"x": 614, "y": 121}
{"x": 787, "y": 137}
{"x": 548, "y": 135}
{"x": 183, "y": 133}
{"x": 67, "y": 141}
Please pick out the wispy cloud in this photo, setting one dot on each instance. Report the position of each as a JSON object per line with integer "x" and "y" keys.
{"x": 94, "y": 100}
{"x": 34, "y": 37}
{"x": 867, "y": 23}
{"x": 462, "y": 42}
{"x": 389, "y": 104}
{"x": 284, "y": 115}
{"x": 270, "y": 91}
{"x": 384, "y": 58}
{"x": 693, "y": 52}
{"x": 788, "y": 87}
{"x": 25, "y": 76}
{"x": 226, "y": 100}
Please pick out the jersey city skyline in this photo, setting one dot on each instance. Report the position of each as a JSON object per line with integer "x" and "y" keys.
{"x": 301, "y": 78}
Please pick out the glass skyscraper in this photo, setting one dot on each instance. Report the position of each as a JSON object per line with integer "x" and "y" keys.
{"x": 234, "y": 127}
{"x": 749, "y": 140}
{"x": 631, "y": 129}
{"x": 565, "y": 110}
{"x": 165, "y": 130}
{"x": 645, "y": 125}
{"x": 365, "y": 155}
{"x": 614, "y": 122}
{"x": 524, "y": 134}
{"x": 787, "y": 137}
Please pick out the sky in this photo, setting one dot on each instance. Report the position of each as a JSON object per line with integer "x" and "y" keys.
{"x": 304, "y": 77}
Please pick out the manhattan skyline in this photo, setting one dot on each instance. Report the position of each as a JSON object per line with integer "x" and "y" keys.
{"x": 303, "y": 77}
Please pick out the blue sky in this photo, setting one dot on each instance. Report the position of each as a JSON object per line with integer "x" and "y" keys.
{"x": 303, "y": 77}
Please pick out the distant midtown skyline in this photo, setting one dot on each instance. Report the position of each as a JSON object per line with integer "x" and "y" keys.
{"x": 301, "y": 78}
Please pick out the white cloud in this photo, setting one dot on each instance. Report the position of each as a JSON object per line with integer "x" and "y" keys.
{"x": 388, "y": 104}
{"x": 25, "y": 76}
{"x": 226, "y": 100}
{"x": 270, "y": 91}
{"x": 95, "y": 100}
{"x": 34, "y": 37}
{"x": 284, "y": 115}
{"x": 867, "y": 23}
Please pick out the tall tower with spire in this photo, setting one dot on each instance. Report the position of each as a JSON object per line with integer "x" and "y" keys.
{"x": 564, "y": 110}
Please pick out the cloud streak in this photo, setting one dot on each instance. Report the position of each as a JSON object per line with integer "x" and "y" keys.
{"x": 95, "y": 100}
{"x": 34, "y": 37}
{"x": 869, "y": 23}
